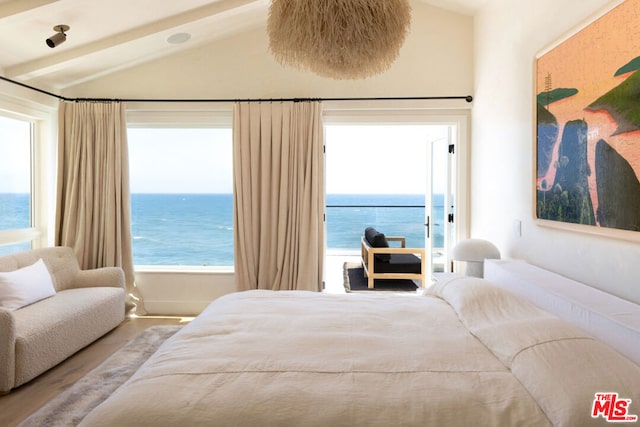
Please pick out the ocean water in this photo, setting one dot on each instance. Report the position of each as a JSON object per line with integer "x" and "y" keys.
{"x": 182, "y": 229}
{"x": 14, "y": 214}
{"x": 14, "y": 211}
{"x": 345, "y": 225}
{"x": 197, "y": 229}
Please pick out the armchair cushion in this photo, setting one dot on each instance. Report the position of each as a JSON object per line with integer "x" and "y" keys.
{"x": 400, "y": 263}
{"x": 377, "y": 240}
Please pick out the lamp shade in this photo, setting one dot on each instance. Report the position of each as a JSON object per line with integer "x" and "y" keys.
{"x": 474, "y": 252}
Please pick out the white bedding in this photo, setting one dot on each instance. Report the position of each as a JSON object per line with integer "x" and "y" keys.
{"x": 471, "y": 355}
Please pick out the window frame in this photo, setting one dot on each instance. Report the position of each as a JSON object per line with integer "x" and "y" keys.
{"x": 43, "y": 129}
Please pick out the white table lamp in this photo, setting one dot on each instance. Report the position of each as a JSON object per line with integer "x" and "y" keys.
{"x": 473, "y": 252}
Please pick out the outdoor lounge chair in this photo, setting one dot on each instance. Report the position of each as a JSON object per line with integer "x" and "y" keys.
{"x": 380, "y": 261}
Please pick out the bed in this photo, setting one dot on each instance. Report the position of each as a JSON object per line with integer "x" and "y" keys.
{"x": 466, "y": 353}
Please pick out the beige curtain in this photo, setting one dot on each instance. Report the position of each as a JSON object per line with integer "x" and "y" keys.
{"x": 93, "y": 214}
{"x": 278, "y": 195}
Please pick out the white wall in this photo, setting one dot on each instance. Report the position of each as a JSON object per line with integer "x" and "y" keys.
{"x": 185, "y": 292}
{"x": 508, "y": 35}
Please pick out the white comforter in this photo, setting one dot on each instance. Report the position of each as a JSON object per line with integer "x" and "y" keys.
{"x": 471, "y": 354}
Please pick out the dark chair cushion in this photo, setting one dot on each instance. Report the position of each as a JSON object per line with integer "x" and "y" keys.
{"x": 399, "y": 263}
{"x": 377, "y": 240}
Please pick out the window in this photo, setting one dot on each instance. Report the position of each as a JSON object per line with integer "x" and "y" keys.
{"x": 15, "y": 184}
{"x": 181, "y": 196}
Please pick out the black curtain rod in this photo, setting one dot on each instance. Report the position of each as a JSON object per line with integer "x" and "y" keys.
{"x": 62, "y": 98}
{"x": 467, "y": 98}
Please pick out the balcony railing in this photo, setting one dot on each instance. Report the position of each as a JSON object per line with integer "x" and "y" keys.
{"x": 346, "y": 223}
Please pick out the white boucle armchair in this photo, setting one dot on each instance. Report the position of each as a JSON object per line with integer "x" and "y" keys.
{"x": 87, "y": 304}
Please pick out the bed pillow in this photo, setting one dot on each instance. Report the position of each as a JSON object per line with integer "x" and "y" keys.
{"x": 444, "y": 279}
{"x": 25, "y": 286}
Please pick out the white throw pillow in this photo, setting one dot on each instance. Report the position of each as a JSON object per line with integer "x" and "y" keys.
{"x": 25, "y": 286}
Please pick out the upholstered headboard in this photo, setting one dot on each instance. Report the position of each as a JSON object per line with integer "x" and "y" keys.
{"x": 610, "y": 319}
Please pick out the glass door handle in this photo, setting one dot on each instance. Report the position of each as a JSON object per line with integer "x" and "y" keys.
{"x": 428, "y": 225}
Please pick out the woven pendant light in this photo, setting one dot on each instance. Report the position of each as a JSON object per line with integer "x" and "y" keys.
{"x": 341, "y": 39}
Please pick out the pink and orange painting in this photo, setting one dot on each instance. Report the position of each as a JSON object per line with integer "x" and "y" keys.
{"x": 588, "y": 124}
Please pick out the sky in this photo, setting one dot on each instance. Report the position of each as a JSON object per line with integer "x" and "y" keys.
{"x": 180, "y": 160}
{"x": 15, "y": 155}
{"x": 381, "y": 159}
{"x": 365, "y": 159}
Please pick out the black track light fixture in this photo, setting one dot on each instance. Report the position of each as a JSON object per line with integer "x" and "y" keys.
{"x": 59, "y": 37}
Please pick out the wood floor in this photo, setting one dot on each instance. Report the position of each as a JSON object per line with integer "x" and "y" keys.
{"x": 26, "y": 399}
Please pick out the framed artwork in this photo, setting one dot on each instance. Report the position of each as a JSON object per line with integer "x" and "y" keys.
{"x": 588, "y": 125}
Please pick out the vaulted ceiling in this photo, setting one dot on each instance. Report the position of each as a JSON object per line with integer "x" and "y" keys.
{"x": 107, "y": 36}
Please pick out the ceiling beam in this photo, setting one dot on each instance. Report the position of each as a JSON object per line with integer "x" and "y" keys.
{"x": 52, "y": 62}
{"x": 15, "y": 7}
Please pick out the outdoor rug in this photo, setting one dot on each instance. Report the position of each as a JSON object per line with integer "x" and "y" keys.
{"x": 354, "y": 281}
{"x": 72, "y": 405}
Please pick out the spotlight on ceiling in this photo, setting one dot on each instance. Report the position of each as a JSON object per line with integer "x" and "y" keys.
{"x": 59, "y": 37}
{"x": 178, "y": 38}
